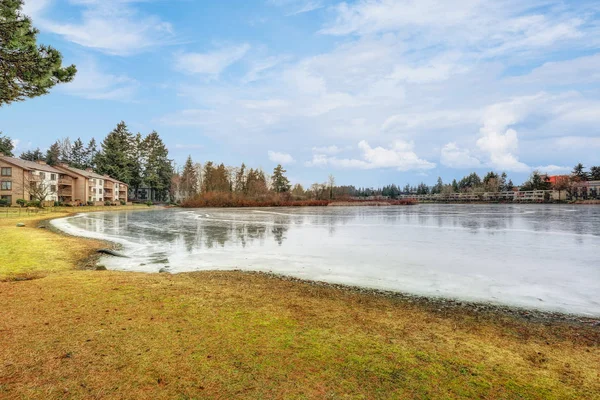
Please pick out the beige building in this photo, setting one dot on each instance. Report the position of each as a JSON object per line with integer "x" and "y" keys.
{"x": 92, "y": 187}
{"x": 20, "y": 179}
{"x": 27, "y": 180}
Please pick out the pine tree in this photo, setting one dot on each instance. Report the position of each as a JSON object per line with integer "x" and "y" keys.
{"x": 221, "y": 179}
{"x": 33, "y": 155}
{"x": 6, "y": 145}
{"x": 595, "y": 173}
{"x": 115, "y": 157}
{"x": 240, "y": 180}
{"x": 90, "y": 154}
{"x": 208, "y": 177}
{"x": 298, "y": 191}
{"x": 438, "y": 186}
{"x": 137, "y": 158}
{"x": 455, "y": 187}
{"x": 188, "y": 185}
{"x": 26, "y": 69}
{"x": 78, "y": 156}
{"x": 53, "y": 154}
{"x": 281, "y": 184}
{"x": 579, "y": 174}
{"x": 510, "y": 186}
{"x": 256, "y": 183}
{"x": 158, "y": 170}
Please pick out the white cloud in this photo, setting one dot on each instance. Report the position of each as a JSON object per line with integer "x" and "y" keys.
{"x": 454, "y": 157}
{"x": 298, "y": 6}
{"x": 568, "y": 72}
{"x": 92, "y": 83}
{"x": 32, "y": 8}
{"x": 110, "y": 26}
{"x": 552, "y": 169}
{"x": 307, "y": 7}
{"x": 400, "y": 155}
{"x": 490, "y": 27}
{"x": 326, "y": 150}
{"x": 429, "y": 75}
{"x": 210, "y": 63}
{"x": 372, "y": 16}
{"x": 15, "y": 143}
{"x": 577, "y": 142}
{"x": 499, "y": 141}
{"x": 260, "y": 68}
{"x": 281, "y": 158}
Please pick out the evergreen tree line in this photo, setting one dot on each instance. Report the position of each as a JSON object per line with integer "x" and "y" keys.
{"x": 473, "y": 183}
{"x": 137, "y": 160}
{"x": 195, "y": 179}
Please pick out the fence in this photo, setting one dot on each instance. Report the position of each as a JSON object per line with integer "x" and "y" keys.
{"x": 534, "y": 196}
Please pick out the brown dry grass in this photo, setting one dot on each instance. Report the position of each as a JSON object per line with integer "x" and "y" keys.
{"x": 113, "y": 335}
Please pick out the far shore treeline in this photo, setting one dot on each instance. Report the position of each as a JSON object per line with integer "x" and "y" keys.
{"x": 143, "y": 162}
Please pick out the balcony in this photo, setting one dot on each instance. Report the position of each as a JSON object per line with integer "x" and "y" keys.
{"x": 66, "y": 181}
{"x": 34, "y": 178}
{"x": 65, "y": 192}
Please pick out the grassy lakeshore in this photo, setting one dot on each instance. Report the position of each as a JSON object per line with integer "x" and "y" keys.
{"x": 72, "y": 333}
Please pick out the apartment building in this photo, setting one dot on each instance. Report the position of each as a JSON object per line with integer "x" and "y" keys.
{"x": 114, "y": 190}
{"x": 20, "y": 179}
{"x": 95, "y": 188}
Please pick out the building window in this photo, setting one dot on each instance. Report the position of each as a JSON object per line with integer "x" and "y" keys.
{"x": 6, "y": 171}
{"x": 53, "y": 188}
{"x": 6, "y": 186}
{"x": 52, "y": 177}
{"x": 101, "y": 182}
{"x": 42, "y": 175}
{"x": 99, "y": 191}
{"x": 8, "y": 198}
{"x": 94, "y": 190}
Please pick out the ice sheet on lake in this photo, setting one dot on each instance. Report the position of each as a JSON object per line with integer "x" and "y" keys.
{"x": 545, "y": 257}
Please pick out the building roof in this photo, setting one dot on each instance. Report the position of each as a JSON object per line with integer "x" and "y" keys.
{"x": 30, "y": 165}
{"x": 88, "y": 174}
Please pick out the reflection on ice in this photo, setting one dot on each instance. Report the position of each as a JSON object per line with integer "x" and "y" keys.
{"x": 527, "y": 255}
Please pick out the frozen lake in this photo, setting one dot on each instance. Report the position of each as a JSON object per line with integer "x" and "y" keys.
{"x": 535, "y": 256}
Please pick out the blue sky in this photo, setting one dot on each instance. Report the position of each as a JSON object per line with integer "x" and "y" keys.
{"x": 372, "y": 91}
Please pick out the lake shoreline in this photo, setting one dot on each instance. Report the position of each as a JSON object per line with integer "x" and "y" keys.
{"x": 440, "y": 304}
{"x": 525, "y": 311}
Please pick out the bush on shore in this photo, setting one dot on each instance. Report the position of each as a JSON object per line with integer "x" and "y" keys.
{"x": 216, "y": 199}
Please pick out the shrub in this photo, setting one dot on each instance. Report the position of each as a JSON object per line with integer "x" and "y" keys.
{"x": 34, "y": 203}
{"x": 4, "y": 203}
{"x": 149, "y": 203}
{"x": 215, "y": 199}
{"x": 107, "y": 203}
{"x": 22, "y": 202}
{"x": 123, "y": 202}
{"x": 90, "y": 203}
